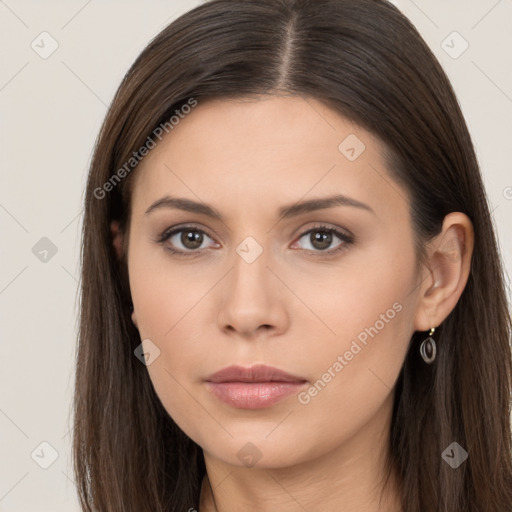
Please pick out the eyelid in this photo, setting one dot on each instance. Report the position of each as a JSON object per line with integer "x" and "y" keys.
{"x": 327, "y": 227}
{"x": 182, "y": 227}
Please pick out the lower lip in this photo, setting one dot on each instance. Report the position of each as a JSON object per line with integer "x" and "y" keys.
{"x": 253, "y": 395}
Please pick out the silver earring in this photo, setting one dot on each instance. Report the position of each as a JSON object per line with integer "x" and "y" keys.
{"x": 428, "y": 348}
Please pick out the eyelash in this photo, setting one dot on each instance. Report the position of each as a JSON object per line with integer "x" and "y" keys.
{"x": 344, "y": 237}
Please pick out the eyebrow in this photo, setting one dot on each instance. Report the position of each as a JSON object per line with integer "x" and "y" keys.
{"x": 285, "y": 212}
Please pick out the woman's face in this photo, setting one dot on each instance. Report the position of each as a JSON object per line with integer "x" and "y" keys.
{"x": 326, "y": 294}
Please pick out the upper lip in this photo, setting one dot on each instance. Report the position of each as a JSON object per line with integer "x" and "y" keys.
{"x": 256, "y": 373}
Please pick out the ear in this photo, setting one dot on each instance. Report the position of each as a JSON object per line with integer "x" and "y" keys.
{"x": 117, "y": 242}
{"x": 117, "y": 238}
{"x": 443, "y": 281}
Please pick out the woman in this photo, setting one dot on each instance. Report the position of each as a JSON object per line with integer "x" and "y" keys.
{"x": 292, "y": 297}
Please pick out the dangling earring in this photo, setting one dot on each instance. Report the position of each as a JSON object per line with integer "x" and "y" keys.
{"x": 428, "y": 348}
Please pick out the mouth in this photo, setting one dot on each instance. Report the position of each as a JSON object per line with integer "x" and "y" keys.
{"x": 255, "y": 387}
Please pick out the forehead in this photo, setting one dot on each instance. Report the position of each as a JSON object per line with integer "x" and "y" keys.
{"x": 275, "y": 149}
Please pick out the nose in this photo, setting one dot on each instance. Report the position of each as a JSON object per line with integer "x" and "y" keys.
{"x": 252, "y": 300}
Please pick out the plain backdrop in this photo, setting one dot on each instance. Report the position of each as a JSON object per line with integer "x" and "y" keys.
{"x": 52, "y": 106}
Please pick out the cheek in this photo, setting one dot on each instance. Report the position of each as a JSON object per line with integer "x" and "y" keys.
{"x": 169, "y": 312}
{"x": 354, "y": 371}
{"x": 163, "y": 294}
{"x": 368, "y": 308}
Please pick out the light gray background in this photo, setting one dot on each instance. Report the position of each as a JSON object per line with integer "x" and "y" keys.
{"x": 51, "y": 112}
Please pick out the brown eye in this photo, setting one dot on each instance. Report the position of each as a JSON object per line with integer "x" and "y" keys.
{"x": 191, "y": 239}
{"x": 320, "y": 239}
{"x": 185, "y": 240}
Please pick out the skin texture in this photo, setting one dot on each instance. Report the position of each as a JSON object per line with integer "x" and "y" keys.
{"x": 293, "y": 307}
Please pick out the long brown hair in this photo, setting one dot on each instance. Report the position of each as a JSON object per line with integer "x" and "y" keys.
{"x": 365, "y": 60}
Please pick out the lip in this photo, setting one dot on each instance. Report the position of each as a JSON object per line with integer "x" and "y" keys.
{"x": 256, "y": 387}
{"x": 256, "y": 373}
